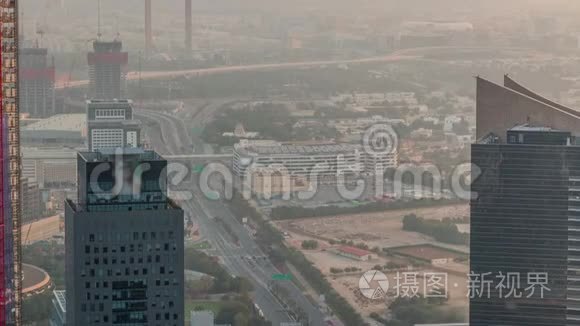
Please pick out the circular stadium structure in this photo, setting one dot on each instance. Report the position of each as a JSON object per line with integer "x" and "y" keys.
{"x": 35, "y": 280}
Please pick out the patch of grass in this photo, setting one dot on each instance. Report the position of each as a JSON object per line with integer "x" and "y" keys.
{"x": 201, "y": 246}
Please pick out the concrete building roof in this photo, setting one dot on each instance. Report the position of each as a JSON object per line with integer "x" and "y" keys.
{"x": 35, "y": 153}
{"x": 528, "y": 127}
{"x": 354, "y": 251}
{"x": 60, "y": 122}
{"x": 109, "y": 154}
{"x": 273, "y": 148}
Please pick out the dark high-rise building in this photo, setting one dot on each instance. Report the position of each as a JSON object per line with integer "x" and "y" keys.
{"x": 36, "y": 83}
{"x": 525, "y": 210}
{"x": 111, "y": 125}
{"x": 106, "y": 70}
{"x": 124, "y": 243}
{"x": 523, "y": 221}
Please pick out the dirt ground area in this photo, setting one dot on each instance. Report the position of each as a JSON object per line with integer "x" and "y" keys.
{"x": 381, "y": 229}
{"x": 348, "y": 287}
{"x": 43, "y": 229}
{"x": 324, "y": 260}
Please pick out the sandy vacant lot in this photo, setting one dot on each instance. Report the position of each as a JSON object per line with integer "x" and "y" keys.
{"x": 382, "y": 229}
{"x": 347, "y": 286}
{"x": 43, "y": 229}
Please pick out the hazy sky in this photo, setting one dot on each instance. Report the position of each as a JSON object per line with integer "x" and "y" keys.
{"x": 330, "y": 5}
{"x": 83, "y": 12}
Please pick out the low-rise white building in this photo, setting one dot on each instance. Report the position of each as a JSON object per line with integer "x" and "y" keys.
{"x": 355, "y": 253}
{"x": 307, "y": 159}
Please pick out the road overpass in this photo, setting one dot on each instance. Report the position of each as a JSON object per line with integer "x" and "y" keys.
{"x": 400, "y": 55}
{"x": 152, "y": 75}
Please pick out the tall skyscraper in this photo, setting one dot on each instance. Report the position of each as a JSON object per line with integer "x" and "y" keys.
{"x": 37, "y": 77}
{"x": 525, "y": 210}
{"x": 106, "y": 70}
{"x": 124, "y": 242}
{"x": 524, "y": 220}
{"x": 10, "y": 261}
{"x": 111, "y": 125}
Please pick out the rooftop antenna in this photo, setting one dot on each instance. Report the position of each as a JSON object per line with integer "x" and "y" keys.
{"x": 99, "y": 20}
{"x": 39, "y": 32}
{"x": 117, "y": 27}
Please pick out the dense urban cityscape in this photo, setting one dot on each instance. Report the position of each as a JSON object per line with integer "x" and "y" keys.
{"x": 303, "y": 163}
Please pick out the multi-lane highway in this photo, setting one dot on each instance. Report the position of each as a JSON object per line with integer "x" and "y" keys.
{"x": 242, "y": 257}
{"x": 401, "y": 55}
{"x": 151, "y": 75}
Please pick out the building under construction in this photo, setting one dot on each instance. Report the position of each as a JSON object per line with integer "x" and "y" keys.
{"x": 36, "y": 83}
{"x": 107, "y": 65}
{"x": 10, "y": 200}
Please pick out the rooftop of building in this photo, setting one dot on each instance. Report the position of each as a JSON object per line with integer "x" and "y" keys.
{"x": 109, "y": 155}
{"x": 97, "y": 102}
{"x": 354, "y": 251}
{"x": 115, "y": 123}
{"x": 273, "y": 148}
{"x": 46, "y": 153}
{"x": 107, "y": 46}
{"x": 533, "y": 128}
{"x": 75, "y": 206}
{"x": 36, "y": 279}
{"x": 59, "y": 122}
{"x": 530, "y": 134}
